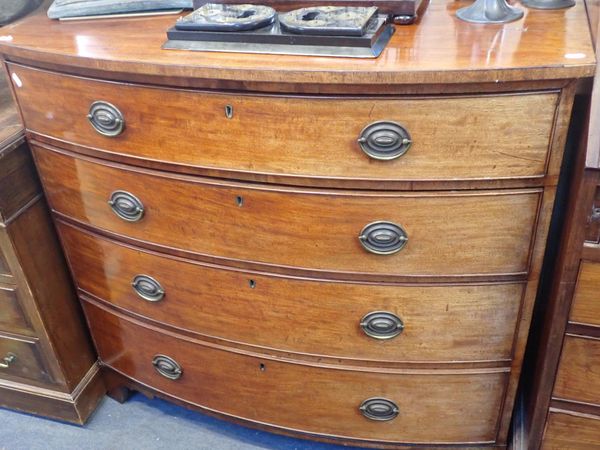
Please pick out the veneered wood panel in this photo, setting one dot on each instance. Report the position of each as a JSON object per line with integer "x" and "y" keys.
{"x": 441, "y": 323}
{"x": 578, "y": 376}
{"x": 27, "y": 363}
{"x": 569, "y": 431}
{"x": 586, "y": 300}
{"x": 450, "y": 233}
{"x": 440, "y": 49}
{"x": 441, "y": 408}
{"x": 12, "y": 316}
{"x": 483, "y": 137}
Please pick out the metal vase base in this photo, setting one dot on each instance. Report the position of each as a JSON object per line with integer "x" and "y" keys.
{"x": 548, "y": 4}
{"x": 489, "y": 11}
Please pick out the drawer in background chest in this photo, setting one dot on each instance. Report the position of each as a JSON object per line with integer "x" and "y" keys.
{"x": 586, "y": 301}
{"x": 578, "y": 377}
{"x": 20, "y": 359}
{"x": 435, "y": 138}
{"x": 389, "y": 323}
{"x": 12, "y": 315}
{"x": 379, "y": 234}
{"x": 417, "y": 407}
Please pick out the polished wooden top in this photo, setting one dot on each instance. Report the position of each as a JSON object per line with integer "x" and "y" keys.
{"x": 440, "y": 49}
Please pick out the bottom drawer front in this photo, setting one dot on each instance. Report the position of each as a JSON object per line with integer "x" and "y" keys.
{"x": 12, "y": 316}
{"x": 567, "y": 431}
{"x": 444, "y": 408}
{"x": 578, "y": 376}
{"x": 21, "y": 359}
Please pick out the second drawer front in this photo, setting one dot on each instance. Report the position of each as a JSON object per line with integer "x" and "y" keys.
{"x": 496, "y": 136}
{"x": 446, "y": 233}
{"x": 21, "y": 359}
{"x": 586, "y": 301}
{"x": 12, "y": 316}
{"x": 446, "y": 408}
{"x": 578, "y": 375}
{"x": 435, "y": 323}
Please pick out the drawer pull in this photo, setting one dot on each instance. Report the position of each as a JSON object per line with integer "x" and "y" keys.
{"x": 167, "y": 367}
{"x": 380, "y": 409}
{"x": 384, "y": 140}
{"x": 127, "y": 206}
{"x": 148, "y": 288}
{"x": 383, "y": 238}
{"x": 382, "y": 325}
{"x": 8, "y": 360}
{"x": 106, "y": 119}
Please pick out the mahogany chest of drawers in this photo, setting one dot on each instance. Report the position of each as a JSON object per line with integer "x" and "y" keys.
{"x": 342, "y": 250}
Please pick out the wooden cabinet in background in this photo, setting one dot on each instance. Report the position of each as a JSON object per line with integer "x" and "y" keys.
{"x": 47, "y": 363}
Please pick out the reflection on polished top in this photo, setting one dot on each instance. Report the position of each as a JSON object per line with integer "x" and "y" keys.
{"x": 439, "y": 49}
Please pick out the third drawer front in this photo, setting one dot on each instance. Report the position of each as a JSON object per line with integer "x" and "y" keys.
{"x": 432, "y": 406}
{"x": 421, "y": 233}
{"x": 483, "y": 137}
{"x": 365, "y": 321}
{"x": 586, "y": 303}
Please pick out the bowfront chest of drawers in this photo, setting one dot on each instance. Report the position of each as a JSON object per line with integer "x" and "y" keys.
{"x": 337, "y": 249}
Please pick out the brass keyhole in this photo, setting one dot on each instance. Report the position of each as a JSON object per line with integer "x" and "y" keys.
{"x": 239, "y": 200}
{"x": 252, "y": 284}
{"x": 229, "y": 111}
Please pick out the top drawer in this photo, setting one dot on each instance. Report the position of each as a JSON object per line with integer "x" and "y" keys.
{"x": 453, "y": 138}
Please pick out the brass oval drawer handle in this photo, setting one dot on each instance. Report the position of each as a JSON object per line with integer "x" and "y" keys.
{"x": 379, "y": 409}
{"x": 106, "y": 119}
{"x": 382, "y": 325}
{"x": 167, "y": 367}
{"x": 385, "y": 140}
{"x": 126, "y": 205}
{"x": 8, "y": 360}
{"x": 148, "y": 288}
{"x": 383, "y": 238}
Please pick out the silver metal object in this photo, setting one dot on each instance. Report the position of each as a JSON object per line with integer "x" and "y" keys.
{"x": 385, "y": 140}
{"x": 383, "y": 238}
{"x": 167, "y": 367}
{"x": 106, "y": 119}
{"x": 148, "y": 288}
{"x": 490, "y": 11}
{"x": 286, "y": 49}
{"x": 8, "y": 360}
{"x": 548, "y": 4}
{"x": 127, "y": 206}
{"x": 77, "y": 8}
{"x": 379, "y": 409}
{"x": 382, "y": 325}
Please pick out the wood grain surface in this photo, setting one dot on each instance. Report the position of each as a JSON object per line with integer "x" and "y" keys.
{"x": 578, "y": 376}
{"x": 586, "y": 300}
{"x": 566, "y": 430}
{"x": 441, "y": 323}
{"x": 454, "y": 138}
{"x": 450, "y": 233}
{"x": 434, "y": 407}
{"x": 12, "y": 316}
{"x": 439, "y": 49}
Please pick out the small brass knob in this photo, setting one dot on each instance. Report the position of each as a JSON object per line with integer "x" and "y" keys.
{"x": 127, "y": 206}
{"x": 382, "y": 325}
{"x": 384, "y": 140}
{"x": 148, "y": 288}
{"x": 383, "y": 238}
{"x": 8, "y": 360}
{"x": 379, "y": 409}
{"x": 106, "y": 119}
{"x": 167, "y": 367}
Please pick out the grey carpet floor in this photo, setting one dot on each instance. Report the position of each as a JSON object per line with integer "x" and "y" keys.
{"x": 140, "y": 424}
